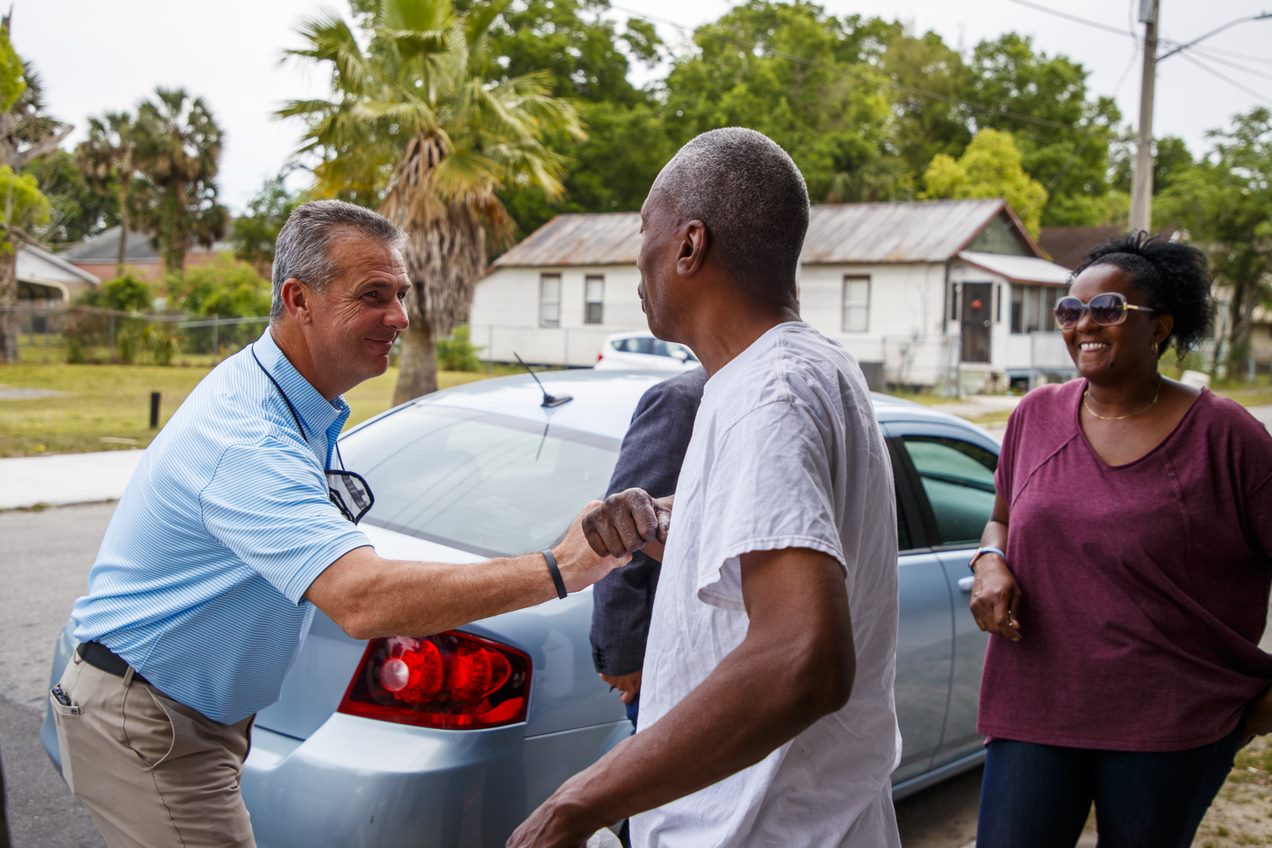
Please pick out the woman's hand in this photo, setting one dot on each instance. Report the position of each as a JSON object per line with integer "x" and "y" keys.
{"x": 1258, "y": 717}
{"x": 995, "y": 600}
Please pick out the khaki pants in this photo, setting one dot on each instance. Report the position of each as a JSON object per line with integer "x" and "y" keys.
{"x": 152, "y": 772}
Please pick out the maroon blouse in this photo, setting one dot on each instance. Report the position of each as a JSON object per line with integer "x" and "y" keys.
{"x": 1144, "y": 586}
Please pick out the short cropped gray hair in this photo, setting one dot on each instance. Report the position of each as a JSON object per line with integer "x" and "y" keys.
{"x": 753, "y": 200}
{"x": 303, "y": 248}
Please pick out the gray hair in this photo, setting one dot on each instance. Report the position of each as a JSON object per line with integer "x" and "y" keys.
{"x": 753, "y": 200}
{"x": 303, "y": 249}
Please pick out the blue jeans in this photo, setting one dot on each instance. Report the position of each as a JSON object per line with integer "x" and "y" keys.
{"x": 1040, "y": 795}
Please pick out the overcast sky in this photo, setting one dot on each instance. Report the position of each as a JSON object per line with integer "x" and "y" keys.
{"x": 95, "y": 56}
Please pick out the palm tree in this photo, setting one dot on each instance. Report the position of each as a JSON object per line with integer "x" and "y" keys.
{"x": 108, "y": 159}
{"x": 179, "y": 152}
{"x": 416, "y": 127}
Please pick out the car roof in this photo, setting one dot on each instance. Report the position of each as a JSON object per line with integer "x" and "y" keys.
{"x": 603, "y": 400}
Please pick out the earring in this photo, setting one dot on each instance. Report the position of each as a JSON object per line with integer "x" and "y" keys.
{"x": 1154, "y": 347}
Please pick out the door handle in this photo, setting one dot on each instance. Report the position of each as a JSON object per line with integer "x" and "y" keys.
{"x": 965, "y": 583}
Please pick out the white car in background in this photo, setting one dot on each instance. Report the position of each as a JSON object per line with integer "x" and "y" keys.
{"x": 643, "y": 352}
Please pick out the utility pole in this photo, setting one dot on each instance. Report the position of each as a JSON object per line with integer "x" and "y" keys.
{"x": 1142, "y": 177}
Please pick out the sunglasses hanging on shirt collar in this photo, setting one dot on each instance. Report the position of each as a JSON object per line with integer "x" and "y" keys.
{"x": 349, "y": 492}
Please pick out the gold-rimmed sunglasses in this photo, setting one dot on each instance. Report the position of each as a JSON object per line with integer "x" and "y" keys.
{"x": 1107, "y": 310}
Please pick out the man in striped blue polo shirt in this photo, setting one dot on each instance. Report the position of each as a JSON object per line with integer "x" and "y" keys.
{"x": 230, "y": 534}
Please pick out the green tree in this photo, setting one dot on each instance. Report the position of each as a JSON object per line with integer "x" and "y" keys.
{"x": 1223, "y": 202}
{"x": 22, "y": 207}
{"x": 1063, "y": 132}
{"x": 77, "y": 210}
{"x": 928, "y": 81}
{"x": 416, "y": 127}
{"x": 108, "y": 159}
{"x": 27, "y": 132}
{"x": 589, "y": 58}
{"x": 989, "y": 167}
{"x": 179, "y": 152}
{"x": 801, "y": 77}
{"x": 224, "y": 288}
{"x": 254, "y": 232}
{"x": 1170, "y": 159}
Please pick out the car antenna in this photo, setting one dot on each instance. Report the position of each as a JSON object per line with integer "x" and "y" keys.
{"x": 549, "y": 401}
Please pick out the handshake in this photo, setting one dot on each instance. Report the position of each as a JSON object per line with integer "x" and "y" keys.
{"x": 607, "y": 533}
{"x": 627, "y": 522}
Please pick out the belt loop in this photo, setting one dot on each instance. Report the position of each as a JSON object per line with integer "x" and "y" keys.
{"x": 128, "y": 677}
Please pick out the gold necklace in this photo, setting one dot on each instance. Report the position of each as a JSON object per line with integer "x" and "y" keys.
{"x": 1087, "y": 391}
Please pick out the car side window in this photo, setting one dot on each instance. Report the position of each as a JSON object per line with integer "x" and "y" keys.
{"x": 958, "y": 480}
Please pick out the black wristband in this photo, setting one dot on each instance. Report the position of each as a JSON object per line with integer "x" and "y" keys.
{"x": 556, "y": 574}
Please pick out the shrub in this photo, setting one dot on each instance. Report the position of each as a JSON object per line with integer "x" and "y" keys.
{"x": 125, "y": 293}
{"x": 457, "y": 353}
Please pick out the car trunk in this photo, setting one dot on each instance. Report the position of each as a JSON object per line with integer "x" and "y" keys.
{"x": 328, "y": 658}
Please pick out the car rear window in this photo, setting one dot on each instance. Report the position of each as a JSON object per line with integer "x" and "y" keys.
{"x": 492, "y": 484}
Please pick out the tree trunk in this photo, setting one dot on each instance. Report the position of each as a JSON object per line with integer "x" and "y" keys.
{"x": 8, "y": 304}
{"x": 1241, "y": 316}
{"x": 123, "y": 233}
{"x": 418, "y": 375}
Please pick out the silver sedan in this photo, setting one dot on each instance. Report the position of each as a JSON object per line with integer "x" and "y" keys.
{"x": 453, "y": 739}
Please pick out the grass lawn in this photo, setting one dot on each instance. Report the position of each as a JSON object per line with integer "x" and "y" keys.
{"x": 107, "y": 407}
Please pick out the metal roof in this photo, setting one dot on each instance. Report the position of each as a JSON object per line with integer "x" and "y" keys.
{"x": 139, "y": 247}
{"x": 1019, "y": 269}
{"x": 920, "y": 231}
{"x": 29, "y": 257}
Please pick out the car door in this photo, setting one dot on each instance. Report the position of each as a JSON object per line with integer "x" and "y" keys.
{"x": 952, "y": 469}
{"x": 923, "y": 642}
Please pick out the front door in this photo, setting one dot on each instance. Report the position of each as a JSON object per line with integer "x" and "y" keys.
{"x": 977, "y": 302}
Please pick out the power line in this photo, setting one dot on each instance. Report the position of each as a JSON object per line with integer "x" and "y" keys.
{"x": 1238, "y": 66}
{"x": 1255, "y": 94}
{"x": 1212, "y": 53}
{"x": 1219, "y": 51}
{"x": 1076, "y": 18}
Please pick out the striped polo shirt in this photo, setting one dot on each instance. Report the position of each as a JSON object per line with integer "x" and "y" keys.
{"x": 201, "y": 577}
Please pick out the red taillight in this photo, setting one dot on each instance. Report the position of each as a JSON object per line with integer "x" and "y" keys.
{"x": 452, "y": 680}
{"x": 600, "y": 354}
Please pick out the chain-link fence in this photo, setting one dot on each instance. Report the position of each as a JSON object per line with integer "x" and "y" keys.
{"x": 48, "y": 333}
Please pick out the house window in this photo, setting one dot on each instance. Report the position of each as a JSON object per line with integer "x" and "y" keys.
{"x": 550, "y": 300}
{"x": 856, "y": 304}
{"x": 594, "y": 300}
{"x": 1031, "y": 308}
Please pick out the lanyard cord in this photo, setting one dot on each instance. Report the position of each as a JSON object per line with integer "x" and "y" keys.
{"x": 304, "y": 435}
{"x": 295, "y": 417}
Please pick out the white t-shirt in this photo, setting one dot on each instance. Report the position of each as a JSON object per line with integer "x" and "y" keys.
{"x": 786, "y": 453}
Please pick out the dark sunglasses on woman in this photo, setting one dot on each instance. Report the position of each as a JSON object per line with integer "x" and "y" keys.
{"x": 1107, "y": 310}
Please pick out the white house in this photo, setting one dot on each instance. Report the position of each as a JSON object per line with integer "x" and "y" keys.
{"x": 49, "y": 279}
{"x": 922, "y": 293}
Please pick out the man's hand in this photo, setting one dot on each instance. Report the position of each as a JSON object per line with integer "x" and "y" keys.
{"x": 557, "y": 823}
{"x": 582, "y": 563}
{"x": 628, "y": 685}
{"x": 626, "y": 522}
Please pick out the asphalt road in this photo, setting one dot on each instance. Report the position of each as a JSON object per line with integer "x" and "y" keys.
{"x": 43, "y": 570}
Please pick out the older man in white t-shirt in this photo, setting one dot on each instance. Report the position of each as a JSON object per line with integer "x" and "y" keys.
{"x": 767, "y": 713}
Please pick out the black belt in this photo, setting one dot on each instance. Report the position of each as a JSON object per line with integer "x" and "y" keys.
{"x": 99, "y": 656}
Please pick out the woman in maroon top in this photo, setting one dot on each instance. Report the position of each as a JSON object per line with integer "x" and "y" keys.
{"x": 1124, "y": 574}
